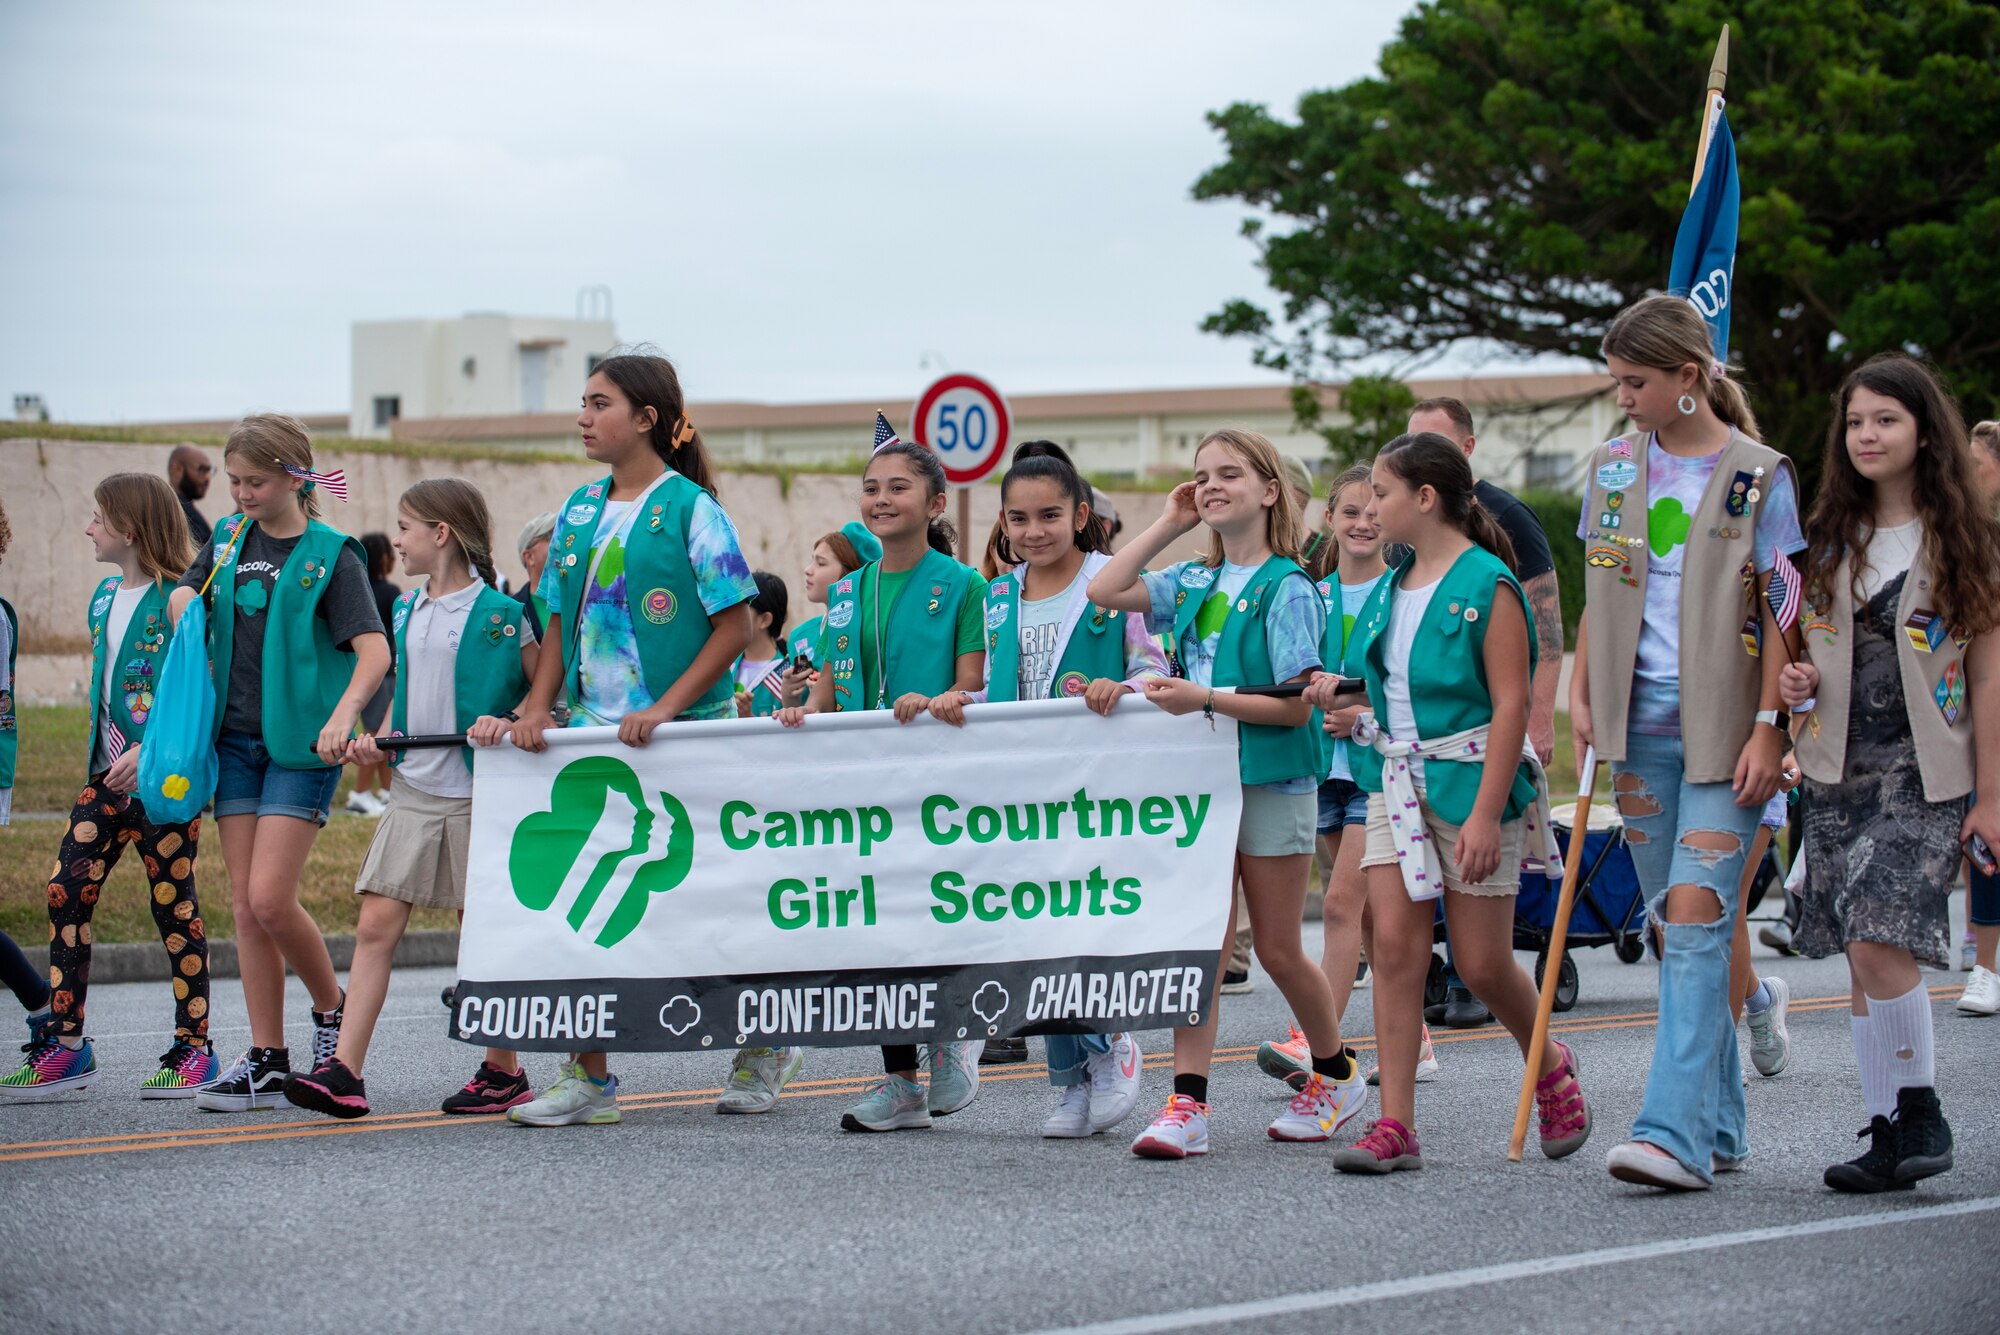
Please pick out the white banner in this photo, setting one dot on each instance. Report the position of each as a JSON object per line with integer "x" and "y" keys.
{"x": 854, "y": 881}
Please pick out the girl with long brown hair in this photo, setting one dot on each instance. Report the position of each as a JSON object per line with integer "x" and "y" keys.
{"x": 1902, "y": 693}
{"x": 137, "y": 526}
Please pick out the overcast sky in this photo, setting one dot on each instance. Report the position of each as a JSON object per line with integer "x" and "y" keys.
{"x": 794, "y": 201}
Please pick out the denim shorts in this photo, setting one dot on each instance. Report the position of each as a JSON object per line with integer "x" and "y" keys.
{"x": 1342, "y": 802}
{"x": 250, "y": 783}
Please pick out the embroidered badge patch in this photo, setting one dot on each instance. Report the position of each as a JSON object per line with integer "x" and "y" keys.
{"x": 1071, "y": 684}
{"x": 1617, "y": 475}
{"x": 659, "y": 606}
{"x": 1950, "y": 694}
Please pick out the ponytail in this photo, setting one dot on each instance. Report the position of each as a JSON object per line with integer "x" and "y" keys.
{"x": 648, "y": 380}
{"x": 773, "y": 598}
{"x": 1427, "y": 459}
{"x": 1666, "y": 333}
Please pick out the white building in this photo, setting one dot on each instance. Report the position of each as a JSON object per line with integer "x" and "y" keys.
{"x": 484, "y": 365}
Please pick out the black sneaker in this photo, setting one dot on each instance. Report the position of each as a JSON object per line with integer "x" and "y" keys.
{"x": 255, "y": 1080}
{"x": 1462, "y": 1010}
{"x": 330, "y": 1088}
{"x": 1237, "y": 982}
{"x": 1923, "y": 1137}
{"x": 1875, "y": 1170}
{"x": 491, "y": 1090}
{"x": 326, "y": 1032}
{"x": 1003, "y": 1051}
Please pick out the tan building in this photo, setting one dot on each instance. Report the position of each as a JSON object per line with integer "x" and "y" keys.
{"x": 1534, "y": 430}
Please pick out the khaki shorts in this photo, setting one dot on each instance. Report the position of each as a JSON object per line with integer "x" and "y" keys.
{"x": 1380, "y": 849}
{"x": 418, "y": 855}
{"x": 1276, "y": 825}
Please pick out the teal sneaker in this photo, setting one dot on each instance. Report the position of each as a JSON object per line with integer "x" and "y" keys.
{"x": 184, "y": 1068}
{"x": 50, "y": 1072}
{"x": 756, "y": 1078}
{"x": 954, "y": 1075}
{"x": 894, "y": 1105}
{"x": 573, "y": 1100}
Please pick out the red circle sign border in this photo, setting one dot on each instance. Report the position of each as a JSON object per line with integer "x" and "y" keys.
{"x": 1003, "y": 421}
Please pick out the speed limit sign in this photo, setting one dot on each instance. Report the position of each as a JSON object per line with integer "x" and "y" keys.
{"x": 965, "y": 423}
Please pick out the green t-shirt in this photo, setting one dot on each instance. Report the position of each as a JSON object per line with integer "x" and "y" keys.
{"x": 971, "y": 624}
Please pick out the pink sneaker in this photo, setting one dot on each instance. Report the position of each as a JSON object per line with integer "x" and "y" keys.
{"x": 1289, "y": 1060}
{"x": 1560, "y": 1108}
{"x": 1180, "y": 1130}
{"x": 1387, "y": 1146}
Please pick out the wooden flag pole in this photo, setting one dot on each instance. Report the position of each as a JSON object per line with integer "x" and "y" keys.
{"x": 1711, "y": 101}
{"x": 1552, "y": 968}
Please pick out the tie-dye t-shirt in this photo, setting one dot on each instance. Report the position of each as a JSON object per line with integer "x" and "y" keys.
{"x": 1675, "y": 486}
{"x": 611, "y": 682}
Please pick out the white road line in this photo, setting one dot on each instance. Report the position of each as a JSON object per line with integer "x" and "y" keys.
{"x": 1446, "y": 1281}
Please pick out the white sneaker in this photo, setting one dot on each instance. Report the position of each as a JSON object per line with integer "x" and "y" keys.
{"x": 1318, "y": 1110}
{"x": 1982, "y": 993}
{"x": 1633, "y": 1162}
{"x": 365, "y": 804}
{"x": 1427, "y": 1063}
{"x": 757, "y": 1077}
{"x": 1071, "y": 1119}
{"x": 1180, "y": 1130}
{"x": 1114, "y": 1082}
{"x": 1770, "y": 1041}
{"x": 573, "y": 1100}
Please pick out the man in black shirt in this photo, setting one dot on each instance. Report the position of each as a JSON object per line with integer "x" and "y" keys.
{"x": 189, "y": 470}
{"x": 1450, "y": 418}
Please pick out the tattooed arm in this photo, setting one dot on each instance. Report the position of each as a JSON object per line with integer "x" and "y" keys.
{"x": 1545, "y": 603}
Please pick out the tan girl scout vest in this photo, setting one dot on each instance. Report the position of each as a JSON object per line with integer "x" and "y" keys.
{"x": 1720, "y": 607}
{"x": 1935, "y": 691}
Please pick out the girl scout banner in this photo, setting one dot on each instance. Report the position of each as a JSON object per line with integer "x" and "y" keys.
{"x": 854, "y": 882}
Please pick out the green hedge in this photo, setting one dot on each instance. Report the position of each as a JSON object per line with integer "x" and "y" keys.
{"x": 1558, "y": 510}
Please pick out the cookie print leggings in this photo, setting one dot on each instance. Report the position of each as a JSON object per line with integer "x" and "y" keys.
{"x": 99, "y": 828}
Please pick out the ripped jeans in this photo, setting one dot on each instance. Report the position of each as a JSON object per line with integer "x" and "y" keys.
{"x": 1683, "y": 833}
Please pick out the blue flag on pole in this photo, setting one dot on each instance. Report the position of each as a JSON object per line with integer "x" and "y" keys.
{"x": 1704, "y": 267}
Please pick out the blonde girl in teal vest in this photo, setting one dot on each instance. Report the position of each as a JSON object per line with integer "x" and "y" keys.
{"x": 138, "y": 527}
{"x": 649, "y": 603}
{"x": 1046, "y": 641}
{"x": 297, "y": 648}
{"x": 897, "y": 632}
{"x": 1444, "y": 648}
{"x": 465, "y": 654}
{"x": 1246, "y": 614}
{"x": 835, "y": 556}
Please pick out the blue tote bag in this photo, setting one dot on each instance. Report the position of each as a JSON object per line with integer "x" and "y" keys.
{"x": 177, "y": 761}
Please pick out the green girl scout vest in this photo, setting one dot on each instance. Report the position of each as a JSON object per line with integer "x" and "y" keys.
{"x": 803, "y": 643}
{"x": 486, "y": 676}
{"x": 918, "y": 631}
{"x": 660, "y": 589}
{"x": 1093, "y": 647}
{"x": 134, "y": 665}
{"x": 304, "y": 674}
{"x": 1265, "y": 754}
{"x": 10, "y": 727}
{"x": 1448, "y": 690}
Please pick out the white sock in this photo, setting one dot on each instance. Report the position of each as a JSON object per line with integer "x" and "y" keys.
{"x": 1900, "y": 1034}
{"x": 1876, "y": 1094}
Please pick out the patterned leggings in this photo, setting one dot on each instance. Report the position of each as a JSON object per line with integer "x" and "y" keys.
{"x": 99, "y": 828}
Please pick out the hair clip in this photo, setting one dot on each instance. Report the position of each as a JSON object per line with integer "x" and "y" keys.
{"x": 683, "y": 430}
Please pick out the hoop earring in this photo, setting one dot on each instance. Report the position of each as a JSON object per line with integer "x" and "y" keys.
{"x": 1687, "y": 405}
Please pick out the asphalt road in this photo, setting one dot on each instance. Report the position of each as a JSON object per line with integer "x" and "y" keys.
{"x": 120, "y": 1215}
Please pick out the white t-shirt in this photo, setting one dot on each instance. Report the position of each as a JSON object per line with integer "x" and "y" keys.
{"x": 430, "y": 690}
{"x": 117, "y": 622}
{"x": 751, "y": 671}
{"x": 1890, "y": 553}
{"x": 1406, "y": 613}
{"x": 1040, "y": 626}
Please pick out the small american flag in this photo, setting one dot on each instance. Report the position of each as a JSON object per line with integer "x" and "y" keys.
{"x": 114, "y": 742}
{"x": 1621, "y": 449}
{"x": 885, "y": 435}
{"x": 1783, "y": 592}
{"x": 335, "y": 482}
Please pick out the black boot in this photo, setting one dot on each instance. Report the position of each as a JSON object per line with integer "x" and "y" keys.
{"x": 1003, "y": 1051}
{"x": 1923, "y": 1137}
{"x": 1462, "y": 1010}
{"x": 1875, "y": 1170}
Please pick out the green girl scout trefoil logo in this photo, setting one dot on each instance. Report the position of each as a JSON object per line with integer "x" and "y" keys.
{"x": 602, "y": 851}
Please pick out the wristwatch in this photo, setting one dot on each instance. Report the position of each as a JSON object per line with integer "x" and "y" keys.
{"x": 1770, "y": 716}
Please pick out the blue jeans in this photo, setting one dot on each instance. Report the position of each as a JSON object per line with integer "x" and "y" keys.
{"x": 1067, "y": 1053}
{"x": 1693, "y": 1106}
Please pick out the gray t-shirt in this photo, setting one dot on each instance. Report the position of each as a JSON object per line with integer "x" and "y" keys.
{"x": 1039, "y": 624}
{"x": 347, "y": 607}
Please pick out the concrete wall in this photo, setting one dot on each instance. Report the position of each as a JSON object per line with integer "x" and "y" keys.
{"x": 48, "y": 573}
